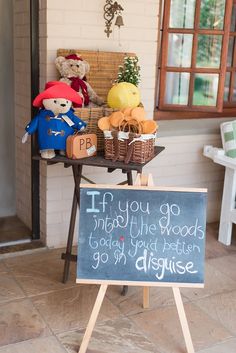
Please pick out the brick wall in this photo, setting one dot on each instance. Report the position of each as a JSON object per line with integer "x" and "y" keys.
{"x": 182, "y": 164}
{"x": 22, "y": 108}
{"x": 80, "y": 24}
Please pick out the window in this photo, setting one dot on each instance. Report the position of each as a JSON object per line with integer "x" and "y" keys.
{"x": 198, "y": 58}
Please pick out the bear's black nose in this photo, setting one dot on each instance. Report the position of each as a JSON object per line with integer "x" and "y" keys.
{"x": 63, "y": 105}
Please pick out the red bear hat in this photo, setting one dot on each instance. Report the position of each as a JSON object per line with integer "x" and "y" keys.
{"x": 52, "y": 83}
{"x": 56, "y": 89}
{"x": 73, "y": 57}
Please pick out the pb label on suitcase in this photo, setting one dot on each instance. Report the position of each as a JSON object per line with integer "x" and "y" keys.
{"x": 81, "y": 146}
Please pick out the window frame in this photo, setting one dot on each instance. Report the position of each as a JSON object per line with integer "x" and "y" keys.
{"x": 171, "y": 111}
{"x": 232, "y": 68}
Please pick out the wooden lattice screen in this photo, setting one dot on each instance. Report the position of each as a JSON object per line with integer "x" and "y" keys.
{"x": 103, "y": 67}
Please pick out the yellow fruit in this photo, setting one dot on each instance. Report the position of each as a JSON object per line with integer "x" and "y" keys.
{"x": 123, "y": 95}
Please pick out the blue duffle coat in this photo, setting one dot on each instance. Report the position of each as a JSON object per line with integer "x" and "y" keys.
{"x": 54, "y": 130}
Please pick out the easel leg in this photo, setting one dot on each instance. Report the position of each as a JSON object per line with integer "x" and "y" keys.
{"x": 130, "y": 182}
{"x": 146, "y": 297}
{"x": 145, "y": 180}
{"x": 183, "y": 320}
{"x": 93, "y": 318}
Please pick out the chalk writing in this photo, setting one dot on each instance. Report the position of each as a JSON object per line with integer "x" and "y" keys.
{"x": 147, "y": 235}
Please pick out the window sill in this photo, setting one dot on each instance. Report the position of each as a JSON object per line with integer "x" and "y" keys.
{"x": 191, "y": 127}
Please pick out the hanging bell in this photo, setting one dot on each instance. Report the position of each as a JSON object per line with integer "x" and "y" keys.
{"x": 119, "y": 21}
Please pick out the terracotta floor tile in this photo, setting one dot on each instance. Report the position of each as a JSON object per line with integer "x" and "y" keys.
{"x": 38, "y": 345}
{"x": 12, "y": 228}
{"x": 116, "y": 336}
{"x": 215, "y": 282}
{"x": 3, "y": 268}
{"x": 225, "y": 264}
{"x": 222, "y": 308}
{"x": 162, "y": 327}
{"x": 30, "y": 325}
{"x": 70, "y": 308}
{"x": 226, "y": 347}
{"x": 213, "y": 247}
{"x": 20, "y": 321}
{"x": 41, "y": 272}
{"x": 9, "y": 289}
{"x": 132, "y": 303}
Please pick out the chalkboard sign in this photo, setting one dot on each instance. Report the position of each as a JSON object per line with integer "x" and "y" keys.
{"x": 141, "y": 235}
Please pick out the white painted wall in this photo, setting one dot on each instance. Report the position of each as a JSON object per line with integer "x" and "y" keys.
{"x": 7, "y": 137}
{"x": 79, "y": 24}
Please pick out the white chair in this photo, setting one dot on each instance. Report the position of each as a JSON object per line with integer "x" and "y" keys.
{"x": 218, "y": 155}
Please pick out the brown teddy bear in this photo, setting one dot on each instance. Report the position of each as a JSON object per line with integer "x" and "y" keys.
{"x": 73, "y": 70}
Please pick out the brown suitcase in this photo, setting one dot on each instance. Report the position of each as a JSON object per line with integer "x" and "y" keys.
{"x": 81, "y": 146}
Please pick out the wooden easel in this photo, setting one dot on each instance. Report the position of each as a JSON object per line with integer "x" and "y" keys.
{"x": 144, "y": 181}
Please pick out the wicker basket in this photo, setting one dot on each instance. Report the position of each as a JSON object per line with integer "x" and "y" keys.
{"x": 128, "y": 146}
{"x": 91, "y": 117}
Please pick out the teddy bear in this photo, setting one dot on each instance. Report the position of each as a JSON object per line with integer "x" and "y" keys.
{"x": 55, "y": 120}
{"x": 73, "y": 70}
